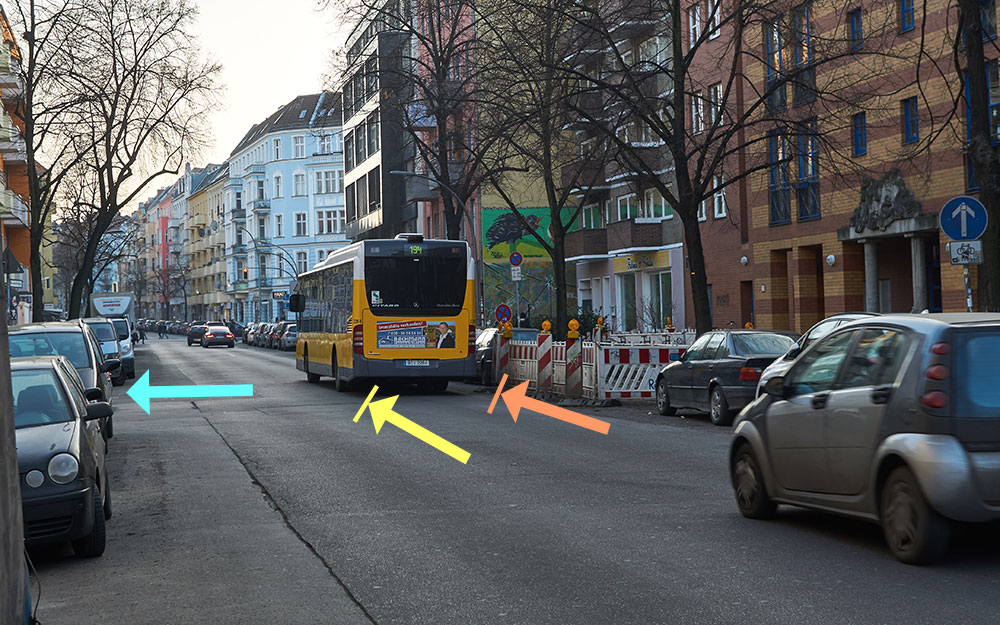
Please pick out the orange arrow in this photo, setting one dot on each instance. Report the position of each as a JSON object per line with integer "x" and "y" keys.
{"x": 516, "y": 399}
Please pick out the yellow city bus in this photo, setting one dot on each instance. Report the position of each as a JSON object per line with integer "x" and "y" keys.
{"x": 400, "y": 309}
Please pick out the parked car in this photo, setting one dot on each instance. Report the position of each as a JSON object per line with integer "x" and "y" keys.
{"x": 892, "y": 419}
{"x": 818, "y": 331}
{"x": 484, "y": 356}
{"x": 247, "y": 331}
{"x": 77, "y": 342}
{"x": 111, "y": 347}
{"x": 218, "y": 335}
{"x": 260, "y": 334}
{"x": 125, "y": 337}
{"x": 290, "y": 337}
{"x": 65, "y": 492}
{"x": 719, "y": 372}
{"x": 195, "y": 333}
{"x": 274, "y": 337}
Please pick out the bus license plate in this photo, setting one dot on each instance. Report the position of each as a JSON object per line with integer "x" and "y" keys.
{"x": 416, "y": 363}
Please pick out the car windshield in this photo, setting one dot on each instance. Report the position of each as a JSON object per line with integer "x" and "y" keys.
{"x": 38, "y": 400}
{"x": 102, "y": 330}
{"x": 761, "y": 343}
{"x": 121, "y": 326}
{"x": 68, "y": 344}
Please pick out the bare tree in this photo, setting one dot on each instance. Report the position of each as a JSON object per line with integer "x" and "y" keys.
{"x": 150, "y": 91}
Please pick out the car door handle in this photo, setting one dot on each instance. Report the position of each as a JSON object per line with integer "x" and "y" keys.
{"x": 881, "y": 395}
{"x": 819, "y": 401}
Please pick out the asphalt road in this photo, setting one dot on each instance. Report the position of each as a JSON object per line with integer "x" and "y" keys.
{"x": 280, "y": 509}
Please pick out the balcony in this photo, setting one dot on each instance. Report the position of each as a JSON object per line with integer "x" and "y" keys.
{"x": 239, "y": 285}
{"x": 588, "y": 242}
{"x": 10, "y": 74}
{"x": 13, "y": 209}
{"x": 238, "y": 249}
{"x": 254, "y": 170}
{"x": 238, "y": 213}
{"x": 585, "y": 173}
{"x": 632, "y": 233}
{"x": 261, "y": 206}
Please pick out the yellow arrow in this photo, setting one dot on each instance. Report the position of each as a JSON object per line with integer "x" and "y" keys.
{"x": 382, "y": 411}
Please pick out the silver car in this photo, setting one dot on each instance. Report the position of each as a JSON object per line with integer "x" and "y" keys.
{"x": 815, "y": 333}
{"x": 892, "y": 419}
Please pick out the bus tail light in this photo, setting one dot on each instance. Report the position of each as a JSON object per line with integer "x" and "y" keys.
{"x": 472, "y": 338}
{"x": 359, "y": 339}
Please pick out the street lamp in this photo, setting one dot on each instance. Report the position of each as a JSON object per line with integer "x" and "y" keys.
{"x": 284, "y": 256}
{"x": 259, "y": 295}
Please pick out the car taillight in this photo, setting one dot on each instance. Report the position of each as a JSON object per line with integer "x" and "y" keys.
{"x": 941, "y": 349}
{"x": 749, "y": 374}
{"x": 209, "y": 336}
{"x": 359, "y": 339}
{"x": 937, "y": 372}
{"x": 934, "y": 399}
{"x": 229, "y": 336}
{"x": 472, "y": 338}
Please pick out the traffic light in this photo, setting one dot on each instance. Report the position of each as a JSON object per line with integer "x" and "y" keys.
{"x": 246, "y": 272}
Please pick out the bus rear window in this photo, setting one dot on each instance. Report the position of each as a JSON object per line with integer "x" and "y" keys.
{"x": 431, "y": 284}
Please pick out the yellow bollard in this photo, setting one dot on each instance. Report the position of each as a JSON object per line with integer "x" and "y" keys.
{"x": 574, "y": 325}
{"x": 546, "y": 326}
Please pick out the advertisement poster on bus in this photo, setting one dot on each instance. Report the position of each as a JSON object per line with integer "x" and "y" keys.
{"x": 414, "y": 334}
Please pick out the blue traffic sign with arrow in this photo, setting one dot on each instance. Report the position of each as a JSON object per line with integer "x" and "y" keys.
{"x": 964, "y": 218}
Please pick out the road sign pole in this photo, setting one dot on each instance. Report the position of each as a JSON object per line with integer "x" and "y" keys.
{"x": 968, "y": 288}
{"x": 517, "y": 303}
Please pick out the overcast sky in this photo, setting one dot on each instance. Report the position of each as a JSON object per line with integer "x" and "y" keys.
{"x": 271, "y": 51}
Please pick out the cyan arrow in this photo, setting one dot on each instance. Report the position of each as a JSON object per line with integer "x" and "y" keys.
{"x": 142, "y": 392}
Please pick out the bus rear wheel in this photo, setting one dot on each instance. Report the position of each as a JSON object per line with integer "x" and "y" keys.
{"x": 338, "y": 382}
{"x": 312, "y": 378}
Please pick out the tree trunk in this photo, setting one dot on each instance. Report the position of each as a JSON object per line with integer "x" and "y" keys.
{"x": 559, "y": 326}
{"x": 982, "y": 151}
{"x": 37, "y": 288}
{"x": 82, "y": 278}
{"x": 696, "y": 268}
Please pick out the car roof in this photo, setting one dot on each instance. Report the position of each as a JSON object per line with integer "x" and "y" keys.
{"x": 96, "y": 320}
{"x": 929, "y": 321}
{"x": 36, "y": 362}
{"x": 48, "y": 326}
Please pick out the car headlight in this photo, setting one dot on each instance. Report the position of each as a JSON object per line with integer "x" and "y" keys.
{"x": 63, "y": 468}
{"x": 126, "y": 349}
{"x": 34, "y": 478}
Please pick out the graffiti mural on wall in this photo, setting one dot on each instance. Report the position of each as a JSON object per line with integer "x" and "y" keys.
{"x": 504, "y": 233}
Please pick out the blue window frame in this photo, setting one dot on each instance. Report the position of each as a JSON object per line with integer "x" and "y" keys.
{"x": 807, "y": 185}
{"x": 856, "y": 31}
{"x": 988, "y": 11}
{"x": 802, "y": 27}
{"x": 772, "y": 49}
{"x": 907, "y": 15}
{"x": 993, "y": 93}
{"x": 860, "y": 133}
{"x": 911, "y": 130}
{"x": 780, "y": 196}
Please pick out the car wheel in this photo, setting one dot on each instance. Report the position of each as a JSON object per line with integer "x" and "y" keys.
{"x": 232, "y": 345}
{"x": 748, "y": 485}
{"x": 338, "y": 382}
{"x": 721, "y": 415}
{"x": 914, "y": 532}
{"x": 92, "y": 545}
{"x": 487, "y": 377}
{"x": 109, "y": 427}
{"x": 663, "y": 400}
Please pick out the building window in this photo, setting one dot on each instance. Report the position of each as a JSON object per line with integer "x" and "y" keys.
{"x": 907, "y": 15}
{"x": 262, "y": 227}
{"x": 349, "y": 152}
{"x": 911, "y": 130}
{"x": 626, "y": 207}
{"x": 805, "y": 74}
{"x": 702, "y": 213}
{"x": 590, "y": 216}
{"x": 860, "y": 134}
{"x": 780, "y": 196}
{"x": 299, "y": 185}
{"x": 807, "y": 187}
{"x": 279, "y": 226}
{"x": 857, "y": 33}
{"x": 694, "y": 24}
{"x": 988, "y": 11}
{"x": 714, "y": 18}
{"x": 775, "y": 88}
{"x": 239, "y": 200}
{"x": 325, "y": 144}
{"x": 993, "y": 93}
{"x": 300, "y": 224}
{"x": 654, "y": 206}
{"x": 697, "y": 119}
{"x": 260, "y": 190}
{"x": 48, "y": 282}
{"x": 652, "y": 51}
{"x": 301, "y": 262}
{"x": 276, "y": 145}
{"x": 330, "y": 222}
{"x": 298, "y": 147}
{"x": 277, "y": 185}
{"x": 373, "y": 135}
{"x": 715, "y": 104}
{"x": 329, "y": 182}
{"x": 719, "y": 197}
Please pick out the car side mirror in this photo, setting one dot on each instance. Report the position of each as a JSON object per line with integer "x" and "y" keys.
{"x": 93, "y": 394}
{"x": 793, "y": 352}
{"x": 111, "y": 364}
{"x": 775, "y": 387}
{"x": 98, "y": 410}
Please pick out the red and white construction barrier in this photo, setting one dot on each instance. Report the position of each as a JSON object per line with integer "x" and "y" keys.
{"x": 574, "y": 368}
{"x": 544, "y": 357}
{"x": 631, "y": 372}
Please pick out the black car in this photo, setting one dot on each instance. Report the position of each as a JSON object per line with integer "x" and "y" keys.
{"x": 76, "y": 341}
{"x": 65, "y": 494}
{"x": 195, "y": 333}
{"x": 719, "y": 372}
{"x": 218, "y": 335}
